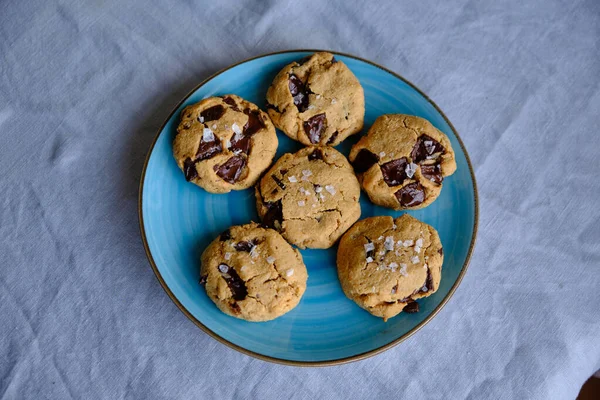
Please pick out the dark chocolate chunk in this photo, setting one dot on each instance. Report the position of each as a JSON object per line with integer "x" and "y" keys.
{"x": 189, "y": 169}
{"x": 278, "y": 181}
{"x": 433, "y": 173}
{"x": 333, "y": 60}
{"x": 272, "y": 107}
{"x": 240, "y": 144}
{"x": 231, "y": 103}
{"x": 244, "y": 246}
{"x": 364, "y": 160}
{"x": 333, "y": 137}
{"x": 299, "y": 92}
{"x": 411, "y": 195}
{"x": 428, "y": 285}
{"x": 304, "y": 60}
{"x": 283, "y": 172}
{"x": 208, "y": 150}
{"x": 394, "y": 172}
{"x": 231, "y": 170}
{"x": 315, "y": 126}
{"x": 425, "y": 148}
{"x": 203, "y": 279}
{"x": 235, "y": 283}
{"x": 274, "y": 214}
{"x": 412, "y": 307}
{"x": 212, "y": 113}
{"x": 441, "y": 251}
{"x": 226, "y": 235}
{"x": 317, "y": 154}
{"x": 254, "y": 123}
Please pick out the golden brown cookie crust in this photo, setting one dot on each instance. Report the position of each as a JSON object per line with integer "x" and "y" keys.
{"x": 251, "y": 272}
{"x": 390, "y": 146}
{"x": 329, "y": 102}
{"x": 310, "y": 196}
{"x": 384, "y": 265}
{"x": 224, "y": 143}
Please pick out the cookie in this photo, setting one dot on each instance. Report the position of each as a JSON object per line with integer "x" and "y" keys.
{"x": 317, "y": 100}
{"x": 402, "y": 161}
{"x": 311, "y": 197}
{"x": 384, "y": 265}
{"x": 251, "y": 272}
{"x": 224, "y": 143}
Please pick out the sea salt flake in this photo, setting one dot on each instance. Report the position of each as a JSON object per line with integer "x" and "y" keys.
{"x": 321, "y": 196}
{"x": 228, "y": 144}
{"x": 394, "y": 226}
{"x": 369, "y": 259}
{"x": 393, "y": 290}
{"x": 424, "y": 288}
{"x": 236, "y": 128}
{"x": 410, "y": 169}
{"x": 243, "y": 268}
{"x": 419, "y": 242}
{"x": 403, "y": 269}
{"x": 393, "y": 266}
{"x": 301, "y": 203}
{"x": 369, "y": 247}
{"x": 389, "y": 243}
{"x": 270, "y": 259}
{"x": 201, "y": 119}
{"x": 380, "y": 238}
{"x": 330, "y": 189}
{"x": 318, "y": 189}
{"x": 382, "y": 154}
{"x": 254, "y": 252}
{"x": 227, "y": 256}
{"x": 333, "y": 101}
{"x": 306, "y": 172}
{"x": 373, "y": 289}
{"x": 289, "y": 272}
{"x": 224, "y": 268}
{"x": 408, "y": 243}
{"x": 207, "y": 135}
{"x": 311, "y": 107}
{"x": 292, "y": 179}
{"x": 381, "y": 252}
{"x": 414, "y": 259}
{"x": 417, "y": 249}
{"x": 214, "y": 126}
{"x": 318, "y": 96}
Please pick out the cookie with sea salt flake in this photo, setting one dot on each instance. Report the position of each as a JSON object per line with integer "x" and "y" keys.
{"x": 251, "y": 272}
{"x": 311, "y": 197}
{"x": 402, "y": 161}
{"x": 384, "y": 265}
{"x": 224, "y": 143}
{"x": 317, "y": 100}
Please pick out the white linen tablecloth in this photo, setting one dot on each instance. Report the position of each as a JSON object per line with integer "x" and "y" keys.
{"x": 84, "y": 87}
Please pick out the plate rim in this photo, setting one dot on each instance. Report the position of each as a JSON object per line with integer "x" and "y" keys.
{"x": 283, "y": 361}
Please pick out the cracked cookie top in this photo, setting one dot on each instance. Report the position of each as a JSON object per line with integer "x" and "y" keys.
{"x": 251, "y": 272}
{"x": 402, "y": 161}
{"x": 311, "y": 197}
{"x": 317, "y": 100}
{"x": 384, "y": 265}
{"x": 224, "y": 143}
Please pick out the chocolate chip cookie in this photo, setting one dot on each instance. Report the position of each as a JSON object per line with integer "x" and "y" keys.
{"x": 317, "y": 100}
{"x": 311, "y": 197}
{"x": 224, "y": 143}
{"x": 402, "y": 161}
{"x": 251, "y": 272}
{"x": 384, "y": 265}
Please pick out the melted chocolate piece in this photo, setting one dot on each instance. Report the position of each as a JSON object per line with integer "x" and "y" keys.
{"x": 272, "y": 107}
{"x": 299, "y": 92}
{"x": 315, "y": 126}
{"x": 278, "y": 181}
{"x": 274, "y": 214}
{"x": 231, "y": 103}
{"x": 433, "y": 173}
{"x": 425, "y": 148}
{"x": 254, "y": 123}
{"x": 283, "y": 172}
{"x": 411, "y": 307}
{"x": 244, "y": 246}
{"x": 189, "y": 169}
{"x": 429, "y": 280}
{"x": 208, "y": 150}
{"x": 364, "y": 160}
{"x": 231, "y": 170}
{"x": 203, "y": 279}
{"x": 317, "y": 154}
{"x": 333, "y": 60}
{"x": 212, "y": 113}
{"x": 411, "y": 195}
{"x": 235, "y": 283}
{"x": 441, "y": 251}
{"x": 240, "y": 143}
{"x": 226, "y": 235}
{"x": 333, "y": 137}
{"x": 394, "y": 172}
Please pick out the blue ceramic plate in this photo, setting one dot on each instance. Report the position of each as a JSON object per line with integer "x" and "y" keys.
{"x": 178, "y": 220}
